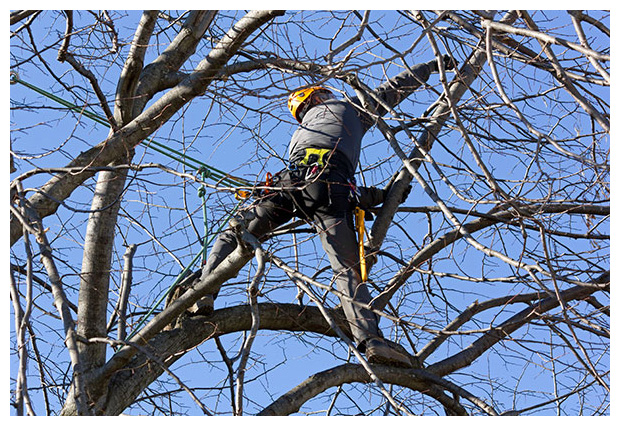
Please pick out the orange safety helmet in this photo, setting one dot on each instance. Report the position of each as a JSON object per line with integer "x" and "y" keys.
{"x": 298, "y": 97}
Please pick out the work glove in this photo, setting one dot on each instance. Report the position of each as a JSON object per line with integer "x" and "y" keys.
{"x": 369, "y": 196}
{"x": 406, "y": 194}
{"x": 449, "y": 63}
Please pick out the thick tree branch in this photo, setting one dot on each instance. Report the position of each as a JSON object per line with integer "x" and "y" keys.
{"x": 48, "y": 197}
{"x": 414, "y": 379}
{"x": 155, "y": 77}
{"x": 127, "y": 383}
{"x": 19, "y": 15}
{"x": 129, "y": 77}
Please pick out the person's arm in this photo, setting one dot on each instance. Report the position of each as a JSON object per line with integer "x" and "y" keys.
{"x": 371, "y": 196}
{"x": 396, "y": 89}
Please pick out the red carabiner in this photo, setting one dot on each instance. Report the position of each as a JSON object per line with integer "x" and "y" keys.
{"x": 268, "y": 182}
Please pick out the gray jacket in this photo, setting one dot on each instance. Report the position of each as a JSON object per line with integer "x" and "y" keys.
{"x": 340, "y": 124}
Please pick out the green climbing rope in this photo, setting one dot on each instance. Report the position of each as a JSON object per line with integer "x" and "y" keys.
{"x": 212, "y": 173}
{"x": 206, "y": 172}
{"x": 183, "y": 274}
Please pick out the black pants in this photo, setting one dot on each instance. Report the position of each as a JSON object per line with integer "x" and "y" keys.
{"x": 325, "y": 200}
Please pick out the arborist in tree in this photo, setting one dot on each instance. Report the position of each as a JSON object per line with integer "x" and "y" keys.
{"x": 319, "y": 186}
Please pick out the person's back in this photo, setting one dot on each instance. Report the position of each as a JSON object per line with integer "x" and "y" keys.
{"x": 331, "y": 124}
{"x": 340, "y": 124}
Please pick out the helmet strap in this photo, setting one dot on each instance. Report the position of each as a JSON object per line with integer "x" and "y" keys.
{"x": 312, "y": 101}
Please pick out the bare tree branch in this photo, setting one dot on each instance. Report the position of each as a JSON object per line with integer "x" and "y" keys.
{"x": 499, "y": 289}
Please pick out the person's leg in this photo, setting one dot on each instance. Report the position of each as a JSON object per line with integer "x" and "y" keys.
{"x": 340, "y": 244}
{"x": 328, "y": 202}
{"x": 266, "y": 216}
{"x": 334, "y": 221}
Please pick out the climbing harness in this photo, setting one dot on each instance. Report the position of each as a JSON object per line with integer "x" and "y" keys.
{"x": 268, "y": 182}
{"x": 315, "y": 156}
{"x": 242, "y": 194}
{"x": 354, "y": 192}
{"x": 315, "y": 161}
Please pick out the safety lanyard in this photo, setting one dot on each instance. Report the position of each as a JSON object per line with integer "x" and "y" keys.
{"x": 361, "y": 229}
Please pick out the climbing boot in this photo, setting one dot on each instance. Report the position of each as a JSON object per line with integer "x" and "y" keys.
{"x": 203, "y": 306}
{"x": 386, "y": 352}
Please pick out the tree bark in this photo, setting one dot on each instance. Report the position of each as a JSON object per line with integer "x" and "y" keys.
{"x": 47, "y": 200}
{"x": 96, "y": 264}
{"x": 99, "y": 243}
{"x": 127, "y": 383}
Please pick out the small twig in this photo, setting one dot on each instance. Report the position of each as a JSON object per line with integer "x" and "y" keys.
{"x": 520, "y": 115}
{"x": 21, "y": 322}
{"x": 229, "y": 366}
{"x": 64, "y": 55}
{"x": 564, "y": 79}
{"x": 584, "y": 42}
{"x": 455, "y": 390}
{"x": 300, "y": 293}
{"x": 587, "y": 363}
{"x": 544, "y": 39}
{"x": 348, "y": 43}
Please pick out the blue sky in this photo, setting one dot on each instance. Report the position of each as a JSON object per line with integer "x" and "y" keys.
{"x": 248, "y": 144}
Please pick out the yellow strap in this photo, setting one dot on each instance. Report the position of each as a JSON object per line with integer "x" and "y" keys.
{"x": 319, "y": 152}
{"x": 360, "y": 227}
